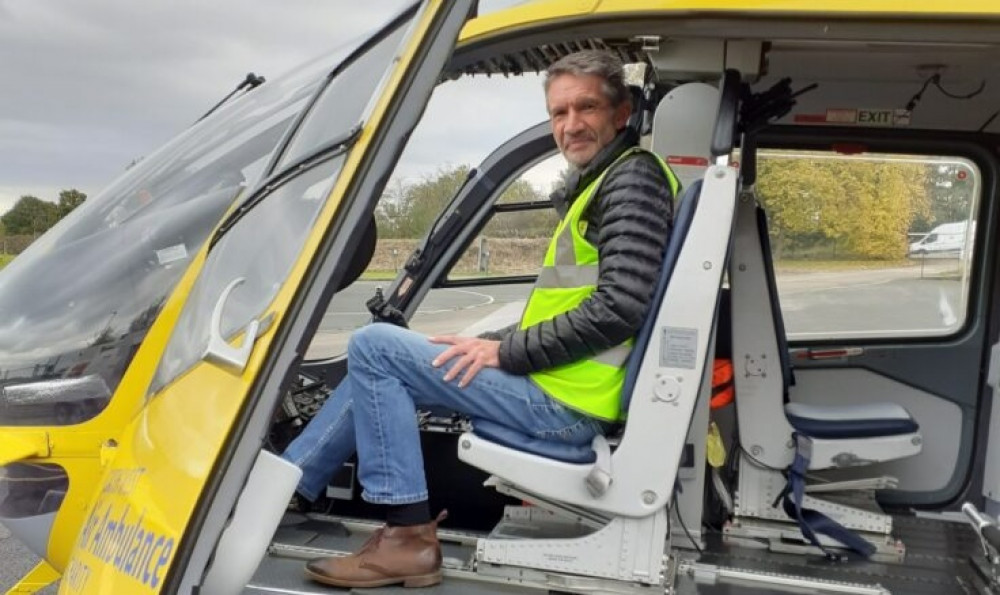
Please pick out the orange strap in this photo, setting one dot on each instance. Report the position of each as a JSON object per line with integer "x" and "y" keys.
{"x": 723, "y": 391}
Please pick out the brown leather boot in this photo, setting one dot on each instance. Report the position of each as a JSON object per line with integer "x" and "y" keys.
{"x": 393, "y": 555}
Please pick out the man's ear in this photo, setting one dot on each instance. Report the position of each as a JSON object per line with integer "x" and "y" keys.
{"x": 622, "y": 112}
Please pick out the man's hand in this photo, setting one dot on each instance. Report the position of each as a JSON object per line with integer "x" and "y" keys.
{"x": 475, "y": 354}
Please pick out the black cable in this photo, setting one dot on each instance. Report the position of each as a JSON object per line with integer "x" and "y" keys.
{"x": 757, "y": 462}
{"x": 936, "y": 81}
{"x": 912, "y": 103}
{"x": 669, "y": 533}
{"x": 732, "y": 465}
{"x": 989, "y": 121}
{"x": 680, "y": 519}
{"x": 982, "y": 87}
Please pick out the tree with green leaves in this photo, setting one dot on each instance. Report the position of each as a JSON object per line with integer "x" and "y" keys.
{"x": 853, "y": 208}
{"x": 408, "y": 210}
{"x": 532, "y": 223}
{"x": 30, "y": 215}
{"x": 69, "y": 200}
{"x": 949, "y": 187}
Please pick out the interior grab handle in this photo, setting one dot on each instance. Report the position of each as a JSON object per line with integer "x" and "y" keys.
{"x": 219, "y": 351}
{"x": 987, "y": 529}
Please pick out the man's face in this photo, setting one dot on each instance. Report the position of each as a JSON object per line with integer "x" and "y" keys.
{"x": 583, "y": 120}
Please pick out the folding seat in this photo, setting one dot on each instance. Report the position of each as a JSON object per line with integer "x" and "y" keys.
{"x": 779, "y": 438}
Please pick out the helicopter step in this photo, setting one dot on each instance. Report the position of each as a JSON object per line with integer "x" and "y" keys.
{"x": 304, "y": 537}
{"x": 942, "y": 557}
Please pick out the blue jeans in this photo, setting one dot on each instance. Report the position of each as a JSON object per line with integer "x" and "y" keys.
{"x": 373, "y": 410}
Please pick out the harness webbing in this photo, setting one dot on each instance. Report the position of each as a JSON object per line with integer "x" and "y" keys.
{"x": 812, "y": 522}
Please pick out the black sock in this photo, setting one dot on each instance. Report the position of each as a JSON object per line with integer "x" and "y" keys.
{"x": 408, "y": 515}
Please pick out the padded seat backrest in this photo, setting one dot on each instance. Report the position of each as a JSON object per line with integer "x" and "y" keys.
{"x": 682, "y": 223}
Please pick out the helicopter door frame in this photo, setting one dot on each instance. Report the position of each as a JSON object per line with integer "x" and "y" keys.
{"x": 362, "y": 187}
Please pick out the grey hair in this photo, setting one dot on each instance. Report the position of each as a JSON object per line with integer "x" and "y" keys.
{"x": 595, "y": 62}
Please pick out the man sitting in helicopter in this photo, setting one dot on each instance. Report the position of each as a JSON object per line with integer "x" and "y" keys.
{"x": 557, "y": 375}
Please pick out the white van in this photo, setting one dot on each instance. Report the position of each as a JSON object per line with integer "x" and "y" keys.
{"x": 947, "y": 238}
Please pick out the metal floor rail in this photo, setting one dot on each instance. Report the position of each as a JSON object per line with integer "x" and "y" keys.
{"x": 942, "y": 559}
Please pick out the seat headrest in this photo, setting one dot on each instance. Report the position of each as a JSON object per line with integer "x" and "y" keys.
{"x": 682, "y": 130}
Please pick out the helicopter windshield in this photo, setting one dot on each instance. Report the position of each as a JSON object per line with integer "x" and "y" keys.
{"x": 261, "y": 240}
{"x": 75, "y": 306}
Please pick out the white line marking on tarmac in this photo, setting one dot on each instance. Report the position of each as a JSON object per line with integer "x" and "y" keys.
{"x": 489, "y": 300}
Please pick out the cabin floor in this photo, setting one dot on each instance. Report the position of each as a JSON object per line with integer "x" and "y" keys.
{"x": 943, "y": 557}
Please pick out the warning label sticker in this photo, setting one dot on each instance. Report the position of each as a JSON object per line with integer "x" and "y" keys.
{"x": 878, "y": 118}
{"x": 679, "y": 347}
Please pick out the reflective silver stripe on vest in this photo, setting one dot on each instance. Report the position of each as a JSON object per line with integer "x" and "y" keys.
{"x": 565, "y": 251}
{"x": 567, "y": 276}
{"x": 616, "y": 356}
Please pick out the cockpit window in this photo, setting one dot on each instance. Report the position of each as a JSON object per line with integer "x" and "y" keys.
{"x": 75, "y": 306}
{"x": 335, "y": 112}
{"x": 260, "y": 249}
{"x": 262, "y": 246}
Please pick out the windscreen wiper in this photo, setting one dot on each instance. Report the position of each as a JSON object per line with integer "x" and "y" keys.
{"x": 325, "y": 152}
{"x": 251, "y": 82}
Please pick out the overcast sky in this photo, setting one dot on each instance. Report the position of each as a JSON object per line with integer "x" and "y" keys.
{"x": 87, "y": 87}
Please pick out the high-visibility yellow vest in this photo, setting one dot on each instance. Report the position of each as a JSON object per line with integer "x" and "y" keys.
{"x": 591, "y": 385}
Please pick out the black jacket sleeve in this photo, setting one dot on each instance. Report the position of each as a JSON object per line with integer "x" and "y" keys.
{"x": 499, "y": 334}
{"x": 633, "y": 217}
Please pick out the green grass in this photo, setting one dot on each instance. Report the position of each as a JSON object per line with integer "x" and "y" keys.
{"x": 806, "y": 265}
{"x": 379, "y": 275}
{"x": 4, "y": 259}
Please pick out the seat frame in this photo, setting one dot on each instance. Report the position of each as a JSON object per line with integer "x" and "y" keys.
{"x": 631, "y": 512}
{"x": 765, "y": 433}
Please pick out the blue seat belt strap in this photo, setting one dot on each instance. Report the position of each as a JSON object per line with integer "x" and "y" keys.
{"x": 812, "y": 522}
